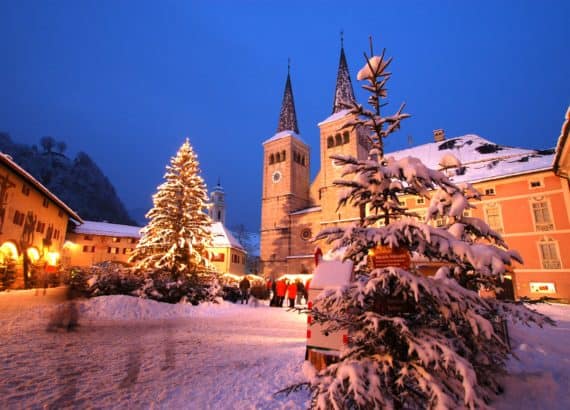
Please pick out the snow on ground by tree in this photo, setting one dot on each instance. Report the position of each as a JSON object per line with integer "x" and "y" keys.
{"x": 138, "y": 353}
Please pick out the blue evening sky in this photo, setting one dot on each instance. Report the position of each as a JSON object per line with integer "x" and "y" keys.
{"x": 127, "y": 81}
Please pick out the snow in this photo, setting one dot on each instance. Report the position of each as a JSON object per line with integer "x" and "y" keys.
{"x": 495, "y": 162}
{"x": 108, "y": 229}
{"x": 284, "y": 134}
{"x": 222, "y": 237}
{"x": 335, "y": 116}
{"x": 137, "y": 353}
{"x": 331, "y": 273}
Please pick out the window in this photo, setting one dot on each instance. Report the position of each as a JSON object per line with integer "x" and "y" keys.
{"x": 271, "y": 159}
{"x": 133, "y": 240}
{"x": 493, "y": 217}
{"x": 56, "y": 234}
{"x": 489, "y": 191}
{"x": 88, "y": 237}
{"x": 18, "y": 218}
{"x": 542, "y": 287}
{"x": 88, "y": 248}
{"x": 45, "y": 203}
{"x": 282, "y": 155}
{"x": 541, "y": 213}
{"x": 345, "y": 137}
{"x": 338, "y": 139}
{"x": 116, "y": 240}
{"x": 535, "y": 184}
{"x": 330, "y": 142}
{"x": 25, "y": 190}
{"x": 40, "y": 227}
{"x": 303, "y": 160}
{"x": 278, "y": 157}
{"x": 60, "y": 213}
{"x": 549, "y": 254}
{"x": 218, "y": 257}
{"x": 112, "y": 250}
{"x": 420, "y": 201}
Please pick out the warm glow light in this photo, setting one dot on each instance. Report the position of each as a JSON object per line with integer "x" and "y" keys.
{"x": 70, "y": 245}
{"x": 33, "y": 254}
{"x": 9, "y": 250}
{"x": 52, "y": 258}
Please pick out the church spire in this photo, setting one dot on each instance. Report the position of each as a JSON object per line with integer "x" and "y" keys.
{"x": 288, "y": 116}
{"x": 344, "y": 94}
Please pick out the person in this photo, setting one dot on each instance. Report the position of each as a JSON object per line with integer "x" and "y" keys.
{"x": 292, "y": 294}
{"x": 273, "y": 301}
{"x": 244, "y": 286}
{"x": 280, "y": 289}
{"x": 300, "y": 291}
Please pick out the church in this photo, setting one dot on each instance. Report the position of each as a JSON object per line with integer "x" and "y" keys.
{"x": 526, "y": 193}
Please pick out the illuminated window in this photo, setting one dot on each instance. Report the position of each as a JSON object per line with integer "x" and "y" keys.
{"x": 541, "y": 214}
{"x": 218, "y": 257}
{"x": 542, "y": 287}
{"x": 549, "y": 254}
{"x": 493, "y": 217}
{"x": 116, "y": 240}
{"x": 112, "y": 250}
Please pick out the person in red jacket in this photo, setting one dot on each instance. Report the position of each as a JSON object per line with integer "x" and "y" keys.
{"x": 292, "y": 294}
{"x": 280, "y": 290}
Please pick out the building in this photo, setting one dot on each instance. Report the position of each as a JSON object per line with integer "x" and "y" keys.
{"x": 92, "y": 242}
{"x": 526, "y": 193}
{"x": 33, "y": 225}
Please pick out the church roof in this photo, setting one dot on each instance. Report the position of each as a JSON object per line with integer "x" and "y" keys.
{"x": 288, "y": 116}
{"x": 343, "y": 94}
{"x": 222, "y": 237}
{"x": 482, "y": 159}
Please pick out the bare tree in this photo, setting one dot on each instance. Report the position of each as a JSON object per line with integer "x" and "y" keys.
{"x": 47, "y": 144}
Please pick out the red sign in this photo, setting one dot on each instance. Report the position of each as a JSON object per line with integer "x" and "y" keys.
{"x": 384, "y": 256}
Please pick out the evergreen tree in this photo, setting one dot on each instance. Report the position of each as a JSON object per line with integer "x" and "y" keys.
{"x": 178, "y": 231}
{"x": 443, "y": 346}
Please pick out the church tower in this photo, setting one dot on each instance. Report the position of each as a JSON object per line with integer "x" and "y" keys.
{"x": 218, "y": 206}
{"x": 286, "y": 173}
{"x": 336, "y": 139}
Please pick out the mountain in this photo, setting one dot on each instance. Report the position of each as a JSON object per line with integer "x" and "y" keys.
{"x": 79, "y": 182}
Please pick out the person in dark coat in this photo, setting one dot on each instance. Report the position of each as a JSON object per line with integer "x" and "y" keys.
{"x": 244, "y": 287}
{"x": 300, "y": 291}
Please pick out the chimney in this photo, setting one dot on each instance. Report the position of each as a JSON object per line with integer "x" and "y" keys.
{"x": 439, "y": 135}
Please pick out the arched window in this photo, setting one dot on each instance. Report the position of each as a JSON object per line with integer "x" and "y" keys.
{"x": 338, "y": 139}
{"x": 271, "y": 159}
{"x": 282, "y": 155}
{"x": 303, "y": 160}
{"x": 330, "y": 142}
{"x": 345, "y": 137}
{"x": 277, "y": 157}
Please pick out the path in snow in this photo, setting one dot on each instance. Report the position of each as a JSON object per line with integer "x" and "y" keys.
{"x": 235, "y": 361}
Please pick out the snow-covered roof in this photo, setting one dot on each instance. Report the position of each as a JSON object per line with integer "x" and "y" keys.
{"x": 9, "y": 162}
{"x": 335, "y": 116}
{"x": 306, "y": 210}
{"x": 284, "y": 134}
{"x": 222, "y": 237}
{"x": 108, "y": 229}
{"x": 482, "y": 159}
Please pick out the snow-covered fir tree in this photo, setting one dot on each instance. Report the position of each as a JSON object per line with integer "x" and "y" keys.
{"x": 444, "y": 346}
{"x": 178, "y": 231}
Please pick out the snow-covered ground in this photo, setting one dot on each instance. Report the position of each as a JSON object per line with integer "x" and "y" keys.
{"x": 134, "y": 353}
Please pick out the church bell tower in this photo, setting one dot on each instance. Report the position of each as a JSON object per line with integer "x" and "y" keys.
{"x": 286, "y": 173}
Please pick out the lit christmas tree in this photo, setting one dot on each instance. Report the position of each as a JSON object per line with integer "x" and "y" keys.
{"x": 178, "y": 231}
{"x": 415, "y": 341}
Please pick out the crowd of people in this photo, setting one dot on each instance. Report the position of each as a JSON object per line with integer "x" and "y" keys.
{"x": 294, "y": 291}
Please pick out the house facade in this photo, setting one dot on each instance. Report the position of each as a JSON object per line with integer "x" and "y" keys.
{"x": 524, "y": 197}
{"x": 33, "y": 225}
